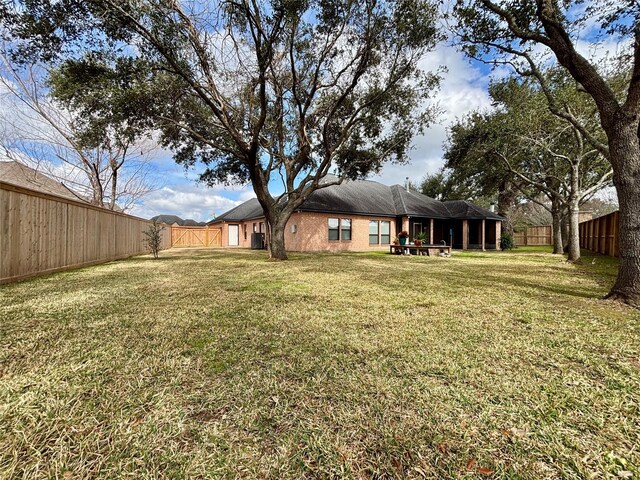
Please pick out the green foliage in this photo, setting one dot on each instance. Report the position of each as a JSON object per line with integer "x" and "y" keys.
{"x": 506, "y": 241}
{"x": 255, "y": 91}
{"x": 153, "y": 238}
{"x": 489, "y": 151}
{"x": 107, "y": 94}
{"x": 323, "y": 83}
{"x": 435, "y": 186}
{"x": 422, "y": 236}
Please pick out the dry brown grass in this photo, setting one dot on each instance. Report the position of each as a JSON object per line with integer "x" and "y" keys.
{"x": 209, "y": 364}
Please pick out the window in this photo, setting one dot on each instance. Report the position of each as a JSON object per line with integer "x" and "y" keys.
{"x": 339, "y": 229}
{"x": 334, "y": 230}
{"x": 345, "y": 229}
{"x": 261, "y": 227}
{"x": 385, "y": 233}
{"x": 417, "y": 229}
{"x": 373, "y": 232}
{"x": 244, "y": 230}
{"x": 255, "y": 228}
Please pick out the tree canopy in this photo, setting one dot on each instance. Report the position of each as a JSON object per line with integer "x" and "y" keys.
{"x": 257, "y": 91}
{"x": 520, "y": 149}
{"x": 525, "y": 35}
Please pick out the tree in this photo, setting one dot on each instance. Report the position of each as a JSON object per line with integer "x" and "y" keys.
{"x": 275, "y": 91}
{"x": 153, "y": 238}
{"x": 435, "y": 185}
{"x": 554, "y": 158}
{"x": 510, "y": 32}
{"x": 483, "y": 153}
{"x": 473, "y": 171}
{"x": 101, "y": 163}
{"x": 520, "y": 143}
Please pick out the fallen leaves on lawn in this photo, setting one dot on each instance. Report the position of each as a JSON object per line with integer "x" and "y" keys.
{"x": 472, "y": 465}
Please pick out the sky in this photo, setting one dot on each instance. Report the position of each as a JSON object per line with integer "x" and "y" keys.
{"x": 463, "y": 88}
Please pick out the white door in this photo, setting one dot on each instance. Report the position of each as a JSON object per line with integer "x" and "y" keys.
{"x": 234, "y": 230}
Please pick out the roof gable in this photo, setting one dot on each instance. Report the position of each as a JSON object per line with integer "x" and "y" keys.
{"x": 245, "y": 211}
{"x": 466, "y": 209}
{"x": 416, "y": 204}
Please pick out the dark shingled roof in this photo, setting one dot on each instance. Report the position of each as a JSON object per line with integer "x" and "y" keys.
{"x": 366, "y": 197}
{"x": 174, "y": 219}
{"x": 355, "y": 197}
{"x": 466, "y": 209}
{"x": 245, "y": 211}
{"x": 189, "y": 222}
{"x": 416, "y": 204}
{"x": 168, "y": 219}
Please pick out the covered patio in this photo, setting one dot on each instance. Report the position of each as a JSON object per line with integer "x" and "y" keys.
{"x": 460, "y": 234}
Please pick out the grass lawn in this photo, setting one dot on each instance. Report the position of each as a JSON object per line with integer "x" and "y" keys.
{"x": 220, "y": 364}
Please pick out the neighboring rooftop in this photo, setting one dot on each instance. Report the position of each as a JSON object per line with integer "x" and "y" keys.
{"x": 176, "y": 220}
{"x": 21, "y": 175}
{"x": 189, "y": 222}
{"x": 367, "y": 197}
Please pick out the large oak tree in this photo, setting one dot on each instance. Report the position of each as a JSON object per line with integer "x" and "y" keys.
{"x": 516, "y": 32}
{"x": 274, "y": 92}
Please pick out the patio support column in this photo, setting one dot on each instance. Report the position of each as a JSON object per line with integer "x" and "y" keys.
{"x": 498, "y": 233}
{"x": 482, "y": 233}
{"x": 465, "y": 234}
{"x": 405, "y": 224}
{"x": 431, "y": 231}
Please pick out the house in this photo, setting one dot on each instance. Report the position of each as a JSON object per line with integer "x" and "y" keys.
{"x": 176, "y": 221}
{"x": 19, "y": 174}
{"x": 366, "y": 215}
{"x": 189, "y": 222}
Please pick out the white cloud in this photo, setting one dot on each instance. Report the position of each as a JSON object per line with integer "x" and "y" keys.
{"x": 463, "y": 89}
{"x": 189, "y": 200}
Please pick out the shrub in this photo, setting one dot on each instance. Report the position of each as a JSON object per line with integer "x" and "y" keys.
{"x": 506, "y": 242}
{"x": 153, "y": 238}
{"x": 422, "y": 236}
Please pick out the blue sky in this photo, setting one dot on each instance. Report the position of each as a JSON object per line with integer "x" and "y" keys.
{"x": 463, "y": 89}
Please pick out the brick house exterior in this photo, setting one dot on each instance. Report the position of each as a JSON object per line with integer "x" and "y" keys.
{"x": 365, "y": 215}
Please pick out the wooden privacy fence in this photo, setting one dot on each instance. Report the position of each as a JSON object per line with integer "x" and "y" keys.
{"x": 532, "y": 236}
{"x": 42, "y": 233}
{"x": 196, "y": 237}
{"x": 601, "y": 234}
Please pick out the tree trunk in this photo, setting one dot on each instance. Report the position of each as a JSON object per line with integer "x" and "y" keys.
{"x": 624, "y": 151}
{"x": 114, "y": 188}
{"x": 507, "y": 195}
{"x": 565, "y": 221}
{"x": 574, "y": 215}
{"x": 556, "y": 215}
{"x": 574, "y": 230}
{"x": 275, "y": 240}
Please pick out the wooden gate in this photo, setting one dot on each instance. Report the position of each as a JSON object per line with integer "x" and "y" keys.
{"x": 196, "y": 237}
